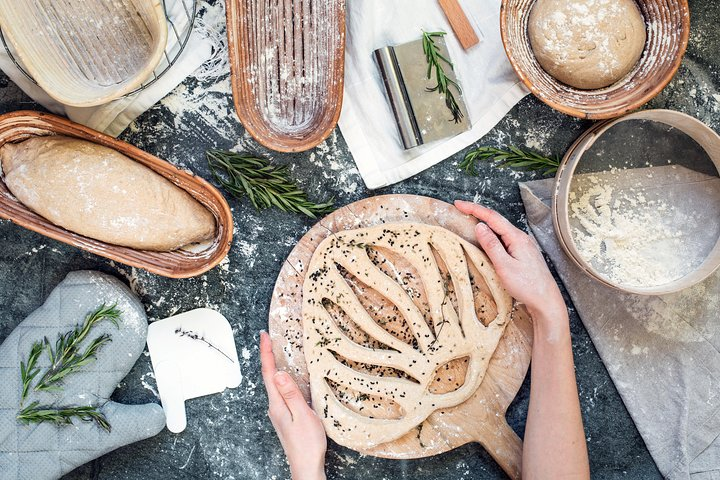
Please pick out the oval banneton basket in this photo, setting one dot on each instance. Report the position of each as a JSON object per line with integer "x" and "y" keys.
{"x": 694, "y": 128}
{"x": 667, "y": 38}
{"x": 18, "y": 126}
{"x": 481, "y": 418}
{"x": 287, "y": 67}
{"x": 86, "y": 53}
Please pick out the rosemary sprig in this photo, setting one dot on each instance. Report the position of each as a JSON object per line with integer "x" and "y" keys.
{"x": 65, "y": 357}
{"x": 510, "y": 157}
{"x": 196, "y": 336}
{"x": 30, "y": 371}
{"x": 266, "y": 185}
{"x": 36, "y": 413}
{"x": 435, "y": 61}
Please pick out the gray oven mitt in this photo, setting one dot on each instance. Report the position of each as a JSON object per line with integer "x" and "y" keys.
{"x": 46, "y": 451}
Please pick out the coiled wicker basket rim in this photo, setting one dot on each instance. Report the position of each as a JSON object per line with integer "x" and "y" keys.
{"x": 20, "y": 125}
{"x": 667, "y": 38}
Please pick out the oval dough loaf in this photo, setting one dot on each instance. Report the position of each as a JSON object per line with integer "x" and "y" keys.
{"x": 100, "y": 193}
{"x": 587, "y": 44}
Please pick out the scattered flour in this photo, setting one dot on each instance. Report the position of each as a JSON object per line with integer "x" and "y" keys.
{"x": 627, "y": 236}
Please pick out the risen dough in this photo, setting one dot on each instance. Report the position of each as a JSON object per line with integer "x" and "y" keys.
{"x": 587, "y": 44}
{"x": 435, "y": 334}
{"x": 100, "y": 193}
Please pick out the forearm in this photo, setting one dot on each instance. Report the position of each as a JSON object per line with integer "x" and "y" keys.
{"x": 554, "y": 437}
{"x": 305, "y": 473}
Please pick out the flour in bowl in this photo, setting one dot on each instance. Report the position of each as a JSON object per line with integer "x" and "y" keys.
{"x": 632, "y": 232}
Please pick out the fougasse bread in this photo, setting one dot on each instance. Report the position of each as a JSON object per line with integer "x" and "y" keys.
{"x": 100, "y": 193}
{"x": 356, "y": 352}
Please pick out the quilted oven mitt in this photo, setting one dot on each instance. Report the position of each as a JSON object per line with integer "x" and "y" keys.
{"x": 47, "y": 451}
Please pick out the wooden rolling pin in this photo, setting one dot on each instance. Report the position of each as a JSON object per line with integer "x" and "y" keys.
{"x": 459, "y": 22}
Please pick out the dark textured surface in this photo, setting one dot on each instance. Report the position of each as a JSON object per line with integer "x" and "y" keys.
{"x": 229, "y": 435}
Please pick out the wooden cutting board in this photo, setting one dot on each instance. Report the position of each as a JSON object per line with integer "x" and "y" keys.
{"x": 479, "y": 419}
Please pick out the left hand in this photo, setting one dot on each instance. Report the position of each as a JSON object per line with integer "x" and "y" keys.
{"x": 297, "y": 425}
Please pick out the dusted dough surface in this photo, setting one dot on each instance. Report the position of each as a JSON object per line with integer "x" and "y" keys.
{"x": 587, "y": 44}
{"x": 100, "y": 193}
{"x": 436, "y": 334}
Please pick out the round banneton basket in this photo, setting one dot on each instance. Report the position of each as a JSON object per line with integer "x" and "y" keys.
{"x": 706, "y": 138}
{"x": 668, "y": 31}
{"x": 180, "y": 16}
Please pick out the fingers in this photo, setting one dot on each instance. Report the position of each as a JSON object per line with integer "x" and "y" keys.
{"x": 492, "y": 245}
{"x": 292, "y": 395}
{"x": 494, "y": 220}
{"x": 268, "y": 369}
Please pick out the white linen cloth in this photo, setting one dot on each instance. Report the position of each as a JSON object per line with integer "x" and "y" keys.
{"x": 114, "y": 117}
{"x": 490, "y": 86}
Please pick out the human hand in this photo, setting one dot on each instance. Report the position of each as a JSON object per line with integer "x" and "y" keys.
{"x": 517, "y": 261}
{"x": 297, "y": 425}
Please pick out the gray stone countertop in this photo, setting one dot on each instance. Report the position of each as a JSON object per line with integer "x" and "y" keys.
{"x": 229, "y": 435}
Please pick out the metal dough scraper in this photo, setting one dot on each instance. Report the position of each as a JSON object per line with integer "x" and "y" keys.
{"x": 421, "y": 114}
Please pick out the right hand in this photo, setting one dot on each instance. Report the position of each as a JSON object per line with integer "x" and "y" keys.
{"x": 297, "y": 425}
{"x": 517, "y": 261}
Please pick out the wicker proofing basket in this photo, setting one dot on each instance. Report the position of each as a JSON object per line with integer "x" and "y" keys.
{"x": 667, "y": 37}
{"x": 18, "y": 126}
{"x": 86, "y": 53}
{"x": 287, "y": 64}
{"x": 698, "y": 131}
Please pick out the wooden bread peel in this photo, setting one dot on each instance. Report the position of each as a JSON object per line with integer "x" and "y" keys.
{"x": 460, "y": 23}
{"x": 479, "y": 419}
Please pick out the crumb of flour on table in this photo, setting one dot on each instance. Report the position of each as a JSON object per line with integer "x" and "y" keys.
{"x": 625, "y": 234}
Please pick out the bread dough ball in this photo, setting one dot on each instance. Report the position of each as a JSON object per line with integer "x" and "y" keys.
{"x": 587, "y": 44}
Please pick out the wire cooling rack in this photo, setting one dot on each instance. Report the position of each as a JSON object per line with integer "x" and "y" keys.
{"x": 180, "y": 15}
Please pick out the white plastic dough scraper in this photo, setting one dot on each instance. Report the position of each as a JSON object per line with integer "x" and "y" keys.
{"x": 193, "y": 354}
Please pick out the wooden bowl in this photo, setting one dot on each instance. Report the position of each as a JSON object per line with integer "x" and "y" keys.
{"x": 18, "y": 126}
{"x": 287, "y": 67}
{"x": 695, "y": 129}
{"x": 86, "y": 53}
{"x": 667, "y": 37}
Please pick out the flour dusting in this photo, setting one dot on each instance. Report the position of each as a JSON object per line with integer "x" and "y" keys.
{"x": 635, "y": 233}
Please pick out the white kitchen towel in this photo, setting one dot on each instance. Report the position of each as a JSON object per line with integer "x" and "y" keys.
{"x": 114, "y": 117}
{"x": 490, "y": 86}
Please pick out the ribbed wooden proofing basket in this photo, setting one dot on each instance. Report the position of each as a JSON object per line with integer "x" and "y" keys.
{"x": 668, "y": 31}
{"x": 21, "y": 125}
{"x": 287, "y": 62}
{"x": 86, "y": 53}
{"x": 694, "y": 128}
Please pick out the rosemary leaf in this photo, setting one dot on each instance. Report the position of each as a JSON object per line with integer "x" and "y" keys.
{"x": 196, "y": 336}
{"x": 512, "y": 157}
{"x": 65, "y": 357}
{"x": 36, "y": 413}
{"x": 265, "y": 185}
{"x": 435, "y": 61}
{"x": 29, "y": 371}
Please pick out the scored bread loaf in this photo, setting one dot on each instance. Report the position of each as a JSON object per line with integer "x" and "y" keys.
{"x": 100, "y": 193}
